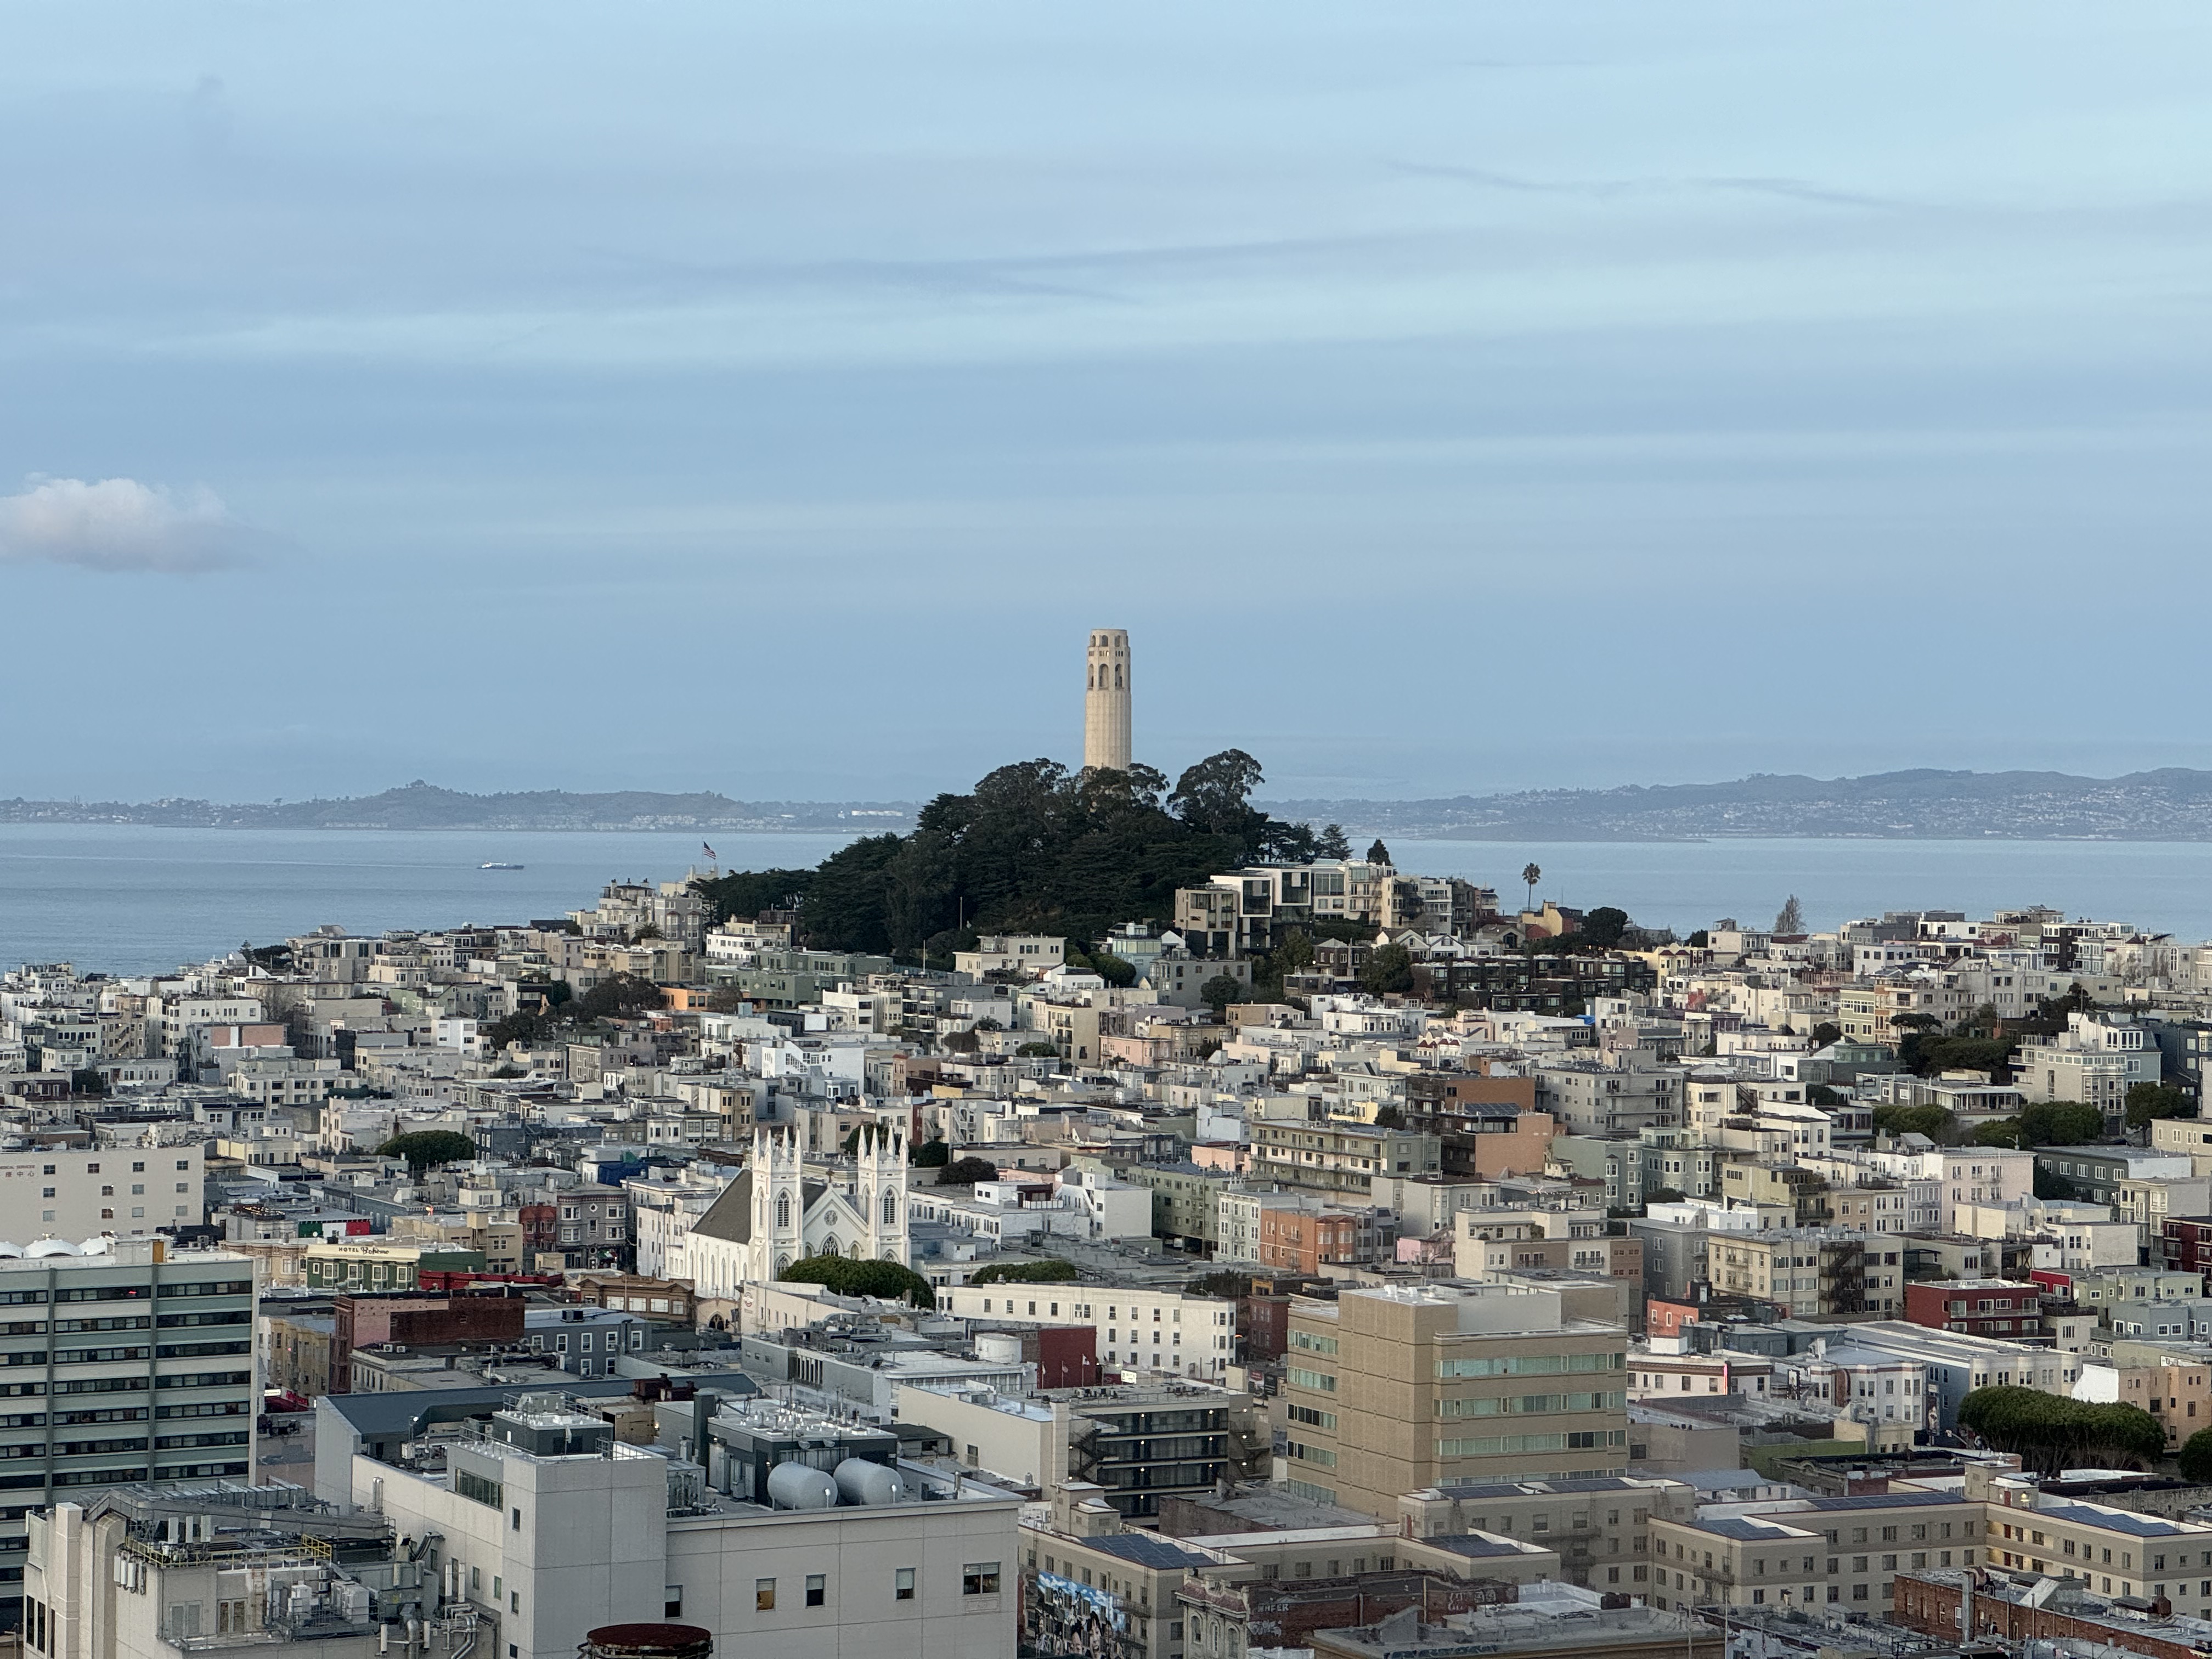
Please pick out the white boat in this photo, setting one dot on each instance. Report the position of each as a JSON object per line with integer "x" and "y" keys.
{"x": 494, "y": 864}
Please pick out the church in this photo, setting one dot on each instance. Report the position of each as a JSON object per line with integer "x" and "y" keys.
{"x": 775, "y": 1213}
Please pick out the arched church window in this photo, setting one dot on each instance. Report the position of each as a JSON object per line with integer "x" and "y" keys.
{"x": 783, "y": 1210}
{"x": 890, "y": 1209}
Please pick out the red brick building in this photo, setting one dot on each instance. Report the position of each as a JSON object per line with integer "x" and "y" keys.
{"x": 1977, "y": 1307}
{"x": 1930, "y": 1605}
{"x": 1294, "y": 1238}
{"x": 417, "y": 1321}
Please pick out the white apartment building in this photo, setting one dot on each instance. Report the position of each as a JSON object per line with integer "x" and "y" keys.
{"x": 2096, "y": 1060}
{"x": 288, "y": 1082}
{"x": 1964, "y": 1176}
{"x": 783, "y": 1532}
{"x": 1144, "y": 1330}
{"x": 1026, "y": 954}
{"x": 82, "y": 1192}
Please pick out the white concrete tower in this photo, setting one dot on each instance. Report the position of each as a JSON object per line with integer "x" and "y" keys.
{"x": 880, "y": 1193}
{"x": 779, "y": 1228}
{"x": 1106, "y": 702}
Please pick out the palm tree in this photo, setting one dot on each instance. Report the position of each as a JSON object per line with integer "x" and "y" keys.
{"x": 1532, "y": 875}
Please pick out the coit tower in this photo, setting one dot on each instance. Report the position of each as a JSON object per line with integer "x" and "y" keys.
{"x": 1106, "y": 702}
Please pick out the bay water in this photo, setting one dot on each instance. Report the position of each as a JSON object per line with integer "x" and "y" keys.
{"x": 128, "y": 898}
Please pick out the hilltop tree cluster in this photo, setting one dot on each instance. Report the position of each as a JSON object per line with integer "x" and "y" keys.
{"x": 1033, "y": 847}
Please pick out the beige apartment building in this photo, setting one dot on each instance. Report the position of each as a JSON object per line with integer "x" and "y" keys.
{"x": 1389, "y": 1390}
{"x": 1811, "y": 1552}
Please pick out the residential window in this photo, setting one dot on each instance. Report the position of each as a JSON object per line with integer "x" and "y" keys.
{"x": 817, "y": 1589}
{"x": 902, "y": 1585}
{"x": 763, "y": 1595}
{"x": 980, "y": 1578}
{"x": 671, "y": 1602}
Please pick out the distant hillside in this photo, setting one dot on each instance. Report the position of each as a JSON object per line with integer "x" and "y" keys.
{"x": 425, "y": 807}
{"x": 2174, "y": 804}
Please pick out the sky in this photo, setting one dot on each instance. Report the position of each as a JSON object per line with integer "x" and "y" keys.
{"x": 768, "y": 398}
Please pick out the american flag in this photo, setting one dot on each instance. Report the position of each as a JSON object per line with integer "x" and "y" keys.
{"x": 712, "y": 855}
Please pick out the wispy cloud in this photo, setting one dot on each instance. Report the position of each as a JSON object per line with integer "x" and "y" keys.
{"x": 119, "y": 524}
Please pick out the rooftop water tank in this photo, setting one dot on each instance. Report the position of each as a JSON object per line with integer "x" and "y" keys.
{"x": 795, "y": 1486}
{"x": 860, "y": 1481}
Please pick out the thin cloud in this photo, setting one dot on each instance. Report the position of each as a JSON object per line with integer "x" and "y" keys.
{"x": 119, "y": 524}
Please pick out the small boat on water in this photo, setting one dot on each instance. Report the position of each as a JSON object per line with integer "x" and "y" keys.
{"x": 494, "y": 864}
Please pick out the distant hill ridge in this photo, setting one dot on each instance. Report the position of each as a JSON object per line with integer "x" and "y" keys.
{"x": 421, "y": 805}
{"x": 2170, "y": 804}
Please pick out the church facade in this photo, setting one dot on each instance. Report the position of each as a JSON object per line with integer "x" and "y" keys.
{"x": 775, "y": 1213}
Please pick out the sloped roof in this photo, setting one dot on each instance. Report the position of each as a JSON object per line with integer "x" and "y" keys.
{"x": 730, "y": 1217}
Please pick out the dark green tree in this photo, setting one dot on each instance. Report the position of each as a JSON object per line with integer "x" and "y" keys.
{"x": 746, "y": 893}
{"x": 2060, "y": 1123}
{"x": 1997, "y": 1132}
{"x": 87, "y": 1080}
{"x": 1389, "y": 968}
{"x": 1379, "y": 854}
{"x": 1215, "y": 796}
{"x": 425, "y": 1147}
{"x": 1790, "y": 921}
{"x": 1220, "y": 992}
{"x": 967, "y": 1171}
{"x": 1333, "y": 843}
{"x": 2196, "y": 1459}
{"x": 1934, "y": 1121}
{"x": 931, "y": 1154}
{"x": 1114, "y": 970}
{"x": 842, "y": 1275}
{"x": 1603, "y": 927}
{"x": 2147, "y": 1100}
{"x": 625, "y": 996}
{"x": 2051, "y": 1433}
{"x": 1826, "y": 1032}
{"x": 847, "y": 903}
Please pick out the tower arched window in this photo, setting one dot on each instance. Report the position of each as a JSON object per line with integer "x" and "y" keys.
{"x": 1117, "y": 677}
{"x": 890, "y": 1209}
{"x": 783, "y": 1210}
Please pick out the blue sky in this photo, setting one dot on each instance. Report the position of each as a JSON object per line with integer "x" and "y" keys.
{"x": 768, "y": 398}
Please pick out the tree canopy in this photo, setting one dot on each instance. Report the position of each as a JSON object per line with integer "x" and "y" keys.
{"x": 1602, "y": 928}
{"x": 967, "y": 1171}
{"x": 2060, "y": 1123}
{"x": 623, "y": 996}
{"x": 1389, "y": 968}
{"x": 2196, "y": 1458}
{"x": 424, "y": 1147}
{"x": 1934, "y": 1121}
{"x": 1379, "y": 854}
{"x": 1789, "y": 921}
{"x": 1220, "y": 992}
{"x": 931, "y": 1154}
{"x": 843, "y": 1275}
{"x": 2051, "y": 1433}
{"x": 2147, "y": 1100}
{"x": 1032, "y": 847}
